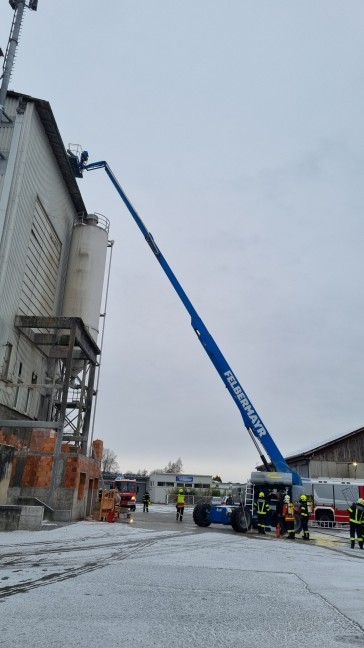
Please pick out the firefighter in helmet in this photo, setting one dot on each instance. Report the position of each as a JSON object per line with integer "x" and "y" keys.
{"x": 304, "y": 515}
{"x": 180, "y": 506}
{"x": 146, "y": 502}
{"x": 262, "y": 509}
{"x": 288, "y": 514}
{"x": 356, "y": 519}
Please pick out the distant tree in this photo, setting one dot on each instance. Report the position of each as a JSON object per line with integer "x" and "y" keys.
{"x": 130, "y": 474}
{"x": 217, "y": 478}
{"x": 174, "y": 466}
{"x": 142, "y": 473}
{"x": 109, "y": 461}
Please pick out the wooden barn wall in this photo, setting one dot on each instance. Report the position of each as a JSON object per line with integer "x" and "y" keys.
{"x": 351, "y": 449}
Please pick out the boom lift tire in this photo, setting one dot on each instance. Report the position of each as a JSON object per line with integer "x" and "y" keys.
{"x": 201, "y": 514}
{"x": 240, "y": 520}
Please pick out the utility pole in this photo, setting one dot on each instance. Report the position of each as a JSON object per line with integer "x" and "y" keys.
{"x": 18, "y": 6}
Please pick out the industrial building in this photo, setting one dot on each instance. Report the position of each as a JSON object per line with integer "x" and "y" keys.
{"x": 162, "y": 485}
{"x": 52, "y": 266}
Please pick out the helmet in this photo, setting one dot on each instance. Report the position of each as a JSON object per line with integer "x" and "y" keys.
{"x": 180, "y": 490}
{"x": 287, "y": 499}
{"x": 361, "y": 501}
{"x": 303, "y": 498}
{"x": 261, "y": 494}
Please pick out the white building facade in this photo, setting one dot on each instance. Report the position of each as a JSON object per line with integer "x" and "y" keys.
{"x": 39, "y": 203}
{"x": 161, "y": 484}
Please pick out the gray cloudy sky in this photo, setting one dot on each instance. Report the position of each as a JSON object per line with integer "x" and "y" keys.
{"x": 236, "y": 130}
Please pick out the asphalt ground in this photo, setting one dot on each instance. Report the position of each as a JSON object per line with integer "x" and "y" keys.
{"x": 156, "y": 582}
{"x": 161, "y": 518}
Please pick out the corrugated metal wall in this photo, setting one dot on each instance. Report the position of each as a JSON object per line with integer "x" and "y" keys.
{"x": 38, "y": 230}
{"x": 39, "y": 287}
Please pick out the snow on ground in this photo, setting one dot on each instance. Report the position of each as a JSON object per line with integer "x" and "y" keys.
{"x": 164, "y": 585}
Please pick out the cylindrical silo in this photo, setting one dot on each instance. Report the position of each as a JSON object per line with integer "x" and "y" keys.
{"x": 86, "y": 270}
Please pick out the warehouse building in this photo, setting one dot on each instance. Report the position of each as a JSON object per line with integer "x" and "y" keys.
{"x": 52, "y": 267}
{"x": 339, "y": 456}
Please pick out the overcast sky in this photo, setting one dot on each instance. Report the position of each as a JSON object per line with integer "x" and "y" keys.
{"x": 236, "y": 130}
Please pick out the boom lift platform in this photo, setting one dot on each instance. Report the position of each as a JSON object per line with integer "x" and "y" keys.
{"x": 239, "y": 517}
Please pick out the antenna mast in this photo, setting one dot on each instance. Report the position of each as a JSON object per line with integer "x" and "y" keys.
{"x": 18, "y": 6}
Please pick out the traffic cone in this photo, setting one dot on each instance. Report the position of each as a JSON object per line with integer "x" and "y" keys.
{"x": 278, "y": 530}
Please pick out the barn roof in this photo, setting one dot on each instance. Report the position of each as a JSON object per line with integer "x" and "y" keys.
{"x": 323, "y": 444}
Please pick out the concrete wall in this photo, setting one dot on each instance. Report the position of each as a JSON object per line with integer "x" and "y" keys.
{"x": 21, "y": 518}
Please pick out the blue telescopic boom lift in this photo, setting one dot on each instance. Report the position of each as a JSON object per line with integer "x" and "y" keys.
{"x": 252, "y": 421}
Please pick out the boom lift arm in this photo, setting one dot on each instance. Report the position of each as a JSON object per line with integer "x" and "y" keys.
{"x": 252, "y": 421}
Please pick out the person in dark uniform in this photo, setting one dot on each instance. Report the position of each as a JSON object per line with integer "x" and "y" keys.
{"x": 356, "y": 519}
{"x": 262, "y": 508}
{"x": 304, "y": 515}
{"x": 145, "y": 500}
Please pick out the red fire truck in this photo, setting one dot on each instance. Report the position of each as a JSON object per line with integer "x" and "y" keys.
{"x": 330, "y": 498}
{"x": 127, "y": 489}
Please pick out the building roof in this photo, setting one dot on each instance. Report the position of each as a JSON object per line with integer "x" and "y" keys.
{"x": 51, "y": 129}
{"x": 323, "y": 444}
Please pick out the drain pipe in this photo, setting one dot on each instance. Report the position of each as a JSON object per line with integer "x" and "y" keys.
{"x": 111, "y": 245}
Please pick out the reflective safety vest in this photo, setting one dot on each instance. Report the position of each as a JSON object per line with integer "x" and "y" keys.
{"x": 262, "y": 506}
{"x": 356, "y": 513}
{"x": 288, "y": 512}
{"x": 180, "y": 500}
{"x": 304, "y": 509}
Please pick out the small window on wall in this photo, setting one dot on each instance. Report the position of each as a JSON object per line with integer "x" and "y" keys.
{"x": 81, "y": 486}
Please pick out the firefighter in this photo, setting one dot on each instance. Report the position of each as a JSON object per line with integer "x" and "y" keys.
{"x": 180, "y": 506}
{"x": 262, "y": 508}
{"x": 145, "y": 500}
{"x": 288, "y": 514}
{"x": 356, "y": 519}
{"x": 304, "y": 515}
{"x": 278, "y": 516}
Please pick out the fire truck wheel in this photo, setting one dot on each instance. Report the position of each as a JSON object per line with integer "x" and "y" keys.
{"x": 324, "y": 517}
{"x": 201, "y": 515}
{"x": 240, "y": 520}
